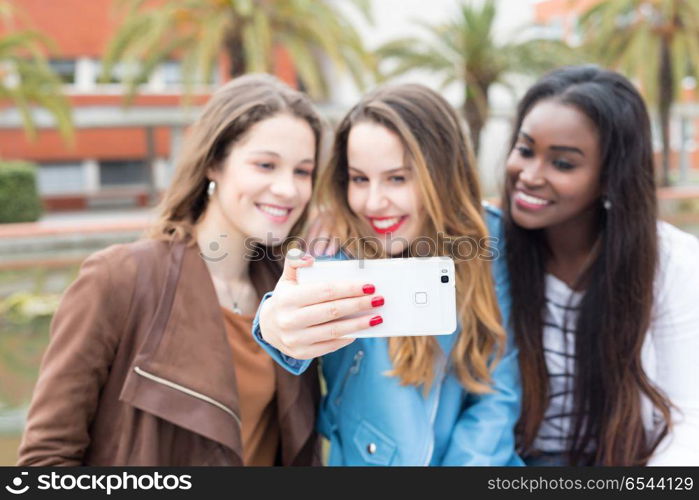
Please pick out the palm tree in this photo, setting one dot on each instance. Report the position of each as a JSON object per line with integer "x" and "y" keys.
{"x": 26, "y": 79}
{"x": 465, "y": 51}
{"x": 656, "y": 41}
{"x": 247, "y": 32}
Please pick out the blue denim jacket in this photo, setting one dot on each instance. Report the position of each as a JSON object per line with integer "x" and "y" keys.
{"x": 371, "y": 419}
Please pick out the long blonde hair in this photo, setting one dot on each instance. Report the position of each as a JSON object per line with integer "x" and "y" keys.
{"x": 228, "y": 115}
{"x": 437, "y": 148}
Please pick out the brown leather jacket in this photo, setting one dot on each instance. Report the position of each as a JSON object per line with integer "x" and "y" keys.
{"x": 139, "y": 371}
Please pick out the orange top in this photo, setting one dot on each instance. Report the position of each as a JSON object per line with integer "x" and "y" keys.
{"x": 254, "y": 370}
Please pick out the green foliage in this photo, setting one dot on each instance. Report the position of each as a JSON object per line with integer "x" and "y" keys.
{"x": 656, "y": 43}
{"x": 248, "y": 32}
{"x": 690, "y": 206}
{"x": 24, "y": 335}
{"x": 25, "y": 307}
{"x": 25, "y": 318}
{"x": 26, "y": 79}
{"x": 465, "y": 50}
{"x": 19, "y": 198}
{"x": 626, "y": 35}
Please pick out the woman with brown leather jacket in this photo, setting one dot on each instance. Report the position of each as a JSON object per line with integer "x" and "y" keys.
{"x": 151, "y": 361}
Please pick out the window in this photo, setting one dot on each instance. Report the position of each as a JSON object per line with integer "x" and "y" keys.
{"x": 120, "y": 72}
{"x": 61, "y": 178}
{"x": 120, "y": 173}
{"x": 64, "y": 68}
{"x": 172, "y": 73}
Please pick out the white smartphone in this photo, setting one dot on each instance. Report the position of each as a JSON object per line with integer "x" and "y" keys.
{"x": 419, "y": 292}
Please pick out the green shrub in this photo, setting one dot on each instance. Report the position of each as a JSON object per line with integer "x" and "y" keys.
{"x": 19, "y": 197}
{"x": 690, "y": 206}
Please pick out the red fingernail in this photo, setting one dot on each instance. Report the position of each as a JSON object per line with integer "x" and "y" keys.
{"x": 377, "y": 301}
{"x": 376, "y": 320}
{"x": 368, "y": 289}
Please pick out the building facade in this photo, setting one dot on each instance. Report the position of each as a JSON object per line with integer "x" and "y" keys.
{"x": 120, "y": 155}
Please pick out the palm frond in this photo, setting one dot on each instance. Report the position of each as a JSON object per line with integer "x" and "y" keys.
{"x": 255, "y": 27}
{"x": 23, "y": 53}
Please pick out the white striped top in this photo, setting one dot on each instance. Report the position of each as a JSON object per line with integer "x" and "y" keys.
{"x": 560, "y": 317}
{"x": 668, "y": 355}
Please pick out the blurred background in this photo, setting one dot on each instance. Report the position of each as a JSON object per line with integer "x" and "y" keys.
{"x": 96, "y": 97}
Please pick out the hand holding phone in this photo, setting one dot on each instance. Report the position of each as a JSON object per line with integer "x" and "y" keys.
{"x": 308, "y": 320}
{"x": 319, "y": 307}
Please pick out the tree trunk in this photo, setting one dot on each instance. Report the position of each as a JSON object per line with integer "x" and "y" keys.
{"x": 235, "y": 51}
{"x": 476, "y": 111}
{"x": 665, "y": 87}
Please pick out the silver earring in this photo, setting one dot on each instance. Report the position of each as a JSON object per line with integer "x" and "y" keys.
{"x": 212, "y": 187}
{"x": 606, "y": 203}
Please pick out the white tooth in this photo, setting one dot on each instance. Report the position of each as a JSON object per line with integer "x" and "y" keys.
{"x": 273, "y": 211}
{"x": 383, "y": 224}
{"x": 532, "y": 199}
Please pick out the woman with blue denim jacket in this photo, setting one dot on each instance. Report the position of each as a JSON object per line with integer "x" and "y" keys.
{"x": 402, "y": 174}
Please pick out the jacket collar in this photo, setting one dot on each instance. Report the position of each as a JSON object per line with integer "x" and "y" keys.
{"x": 184, "y": 372}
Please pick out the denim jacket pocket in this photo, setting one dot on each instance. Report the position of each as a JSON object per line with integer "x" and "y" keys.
{"x": 374, "y": 446}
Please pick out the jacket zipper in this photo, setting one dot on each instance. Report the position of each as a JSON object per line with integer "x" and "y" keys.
{"x": 189, "y": 392}
{"x": 356, "y": 361}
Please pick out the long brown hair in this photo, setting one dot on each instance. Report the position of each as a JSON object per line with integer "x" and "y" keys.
{"x": 437, "y": 148}
{"x": 615, "y": 310}
{"x": 228, "y": 115}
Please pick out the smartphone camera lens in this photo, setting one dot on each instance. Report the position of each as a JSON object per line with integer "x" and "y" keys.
{"x": 445, "y": 279}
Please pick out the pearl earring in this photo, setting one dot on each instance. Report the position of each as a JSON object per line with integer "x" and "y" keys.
{"x": 212, "y": 187}
{"x": 606, "y": 203}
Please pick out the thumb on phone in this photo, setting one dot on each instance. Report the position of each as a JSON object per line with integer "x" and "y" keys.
{"x": 295, "y": 258}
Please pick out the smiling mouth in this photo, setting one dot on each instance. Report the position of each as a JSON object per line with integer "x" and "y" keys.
{"x": 530, "y": 202}
{"x": 383, "y": 225}
{"x": 274, "y": 212}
